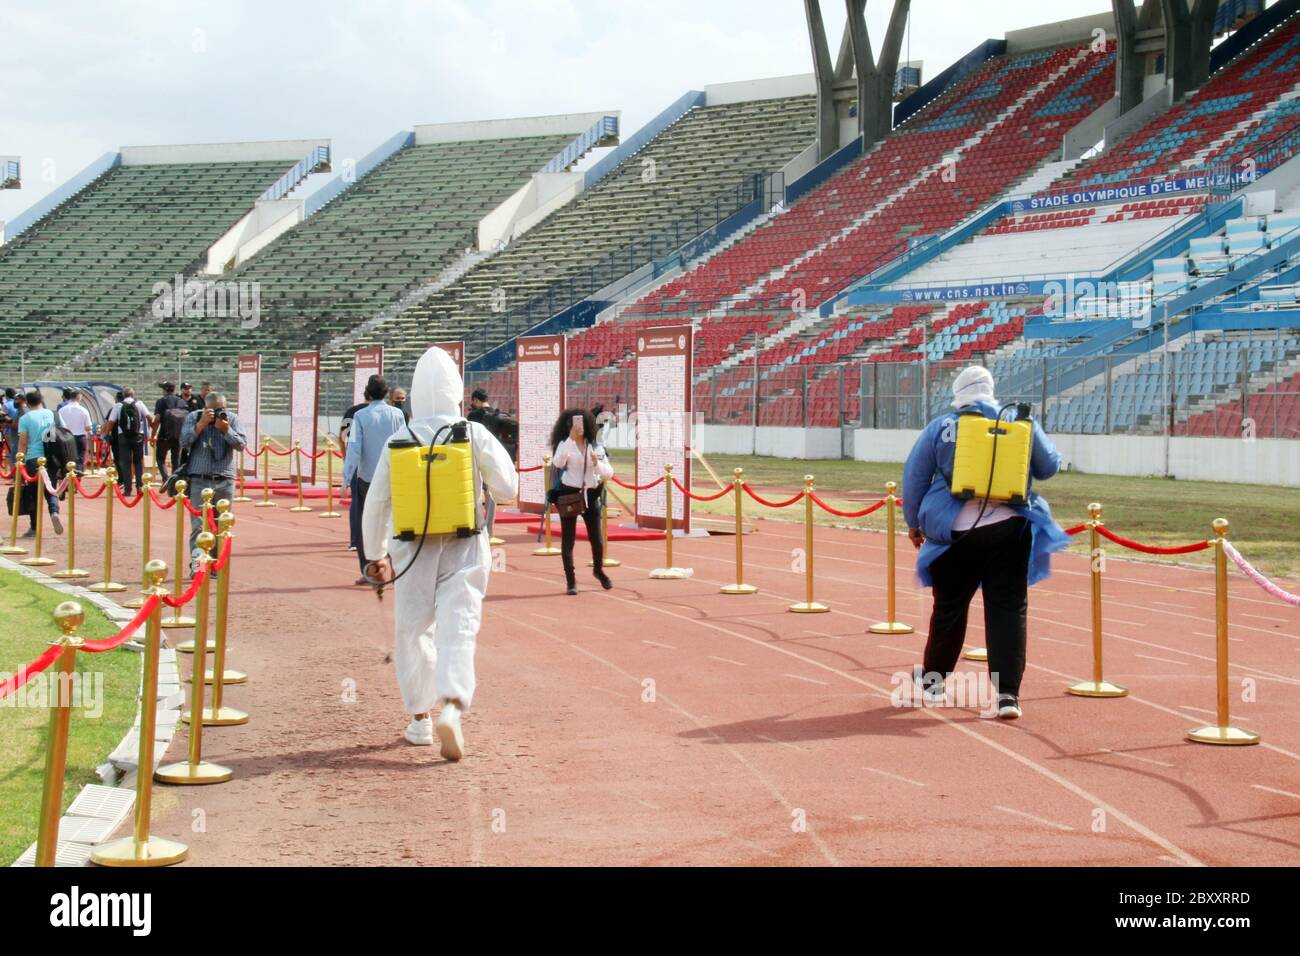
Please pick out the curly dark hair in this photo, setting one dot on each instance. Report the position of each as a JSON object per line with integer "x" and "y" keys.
{"x": 564, "y": 424}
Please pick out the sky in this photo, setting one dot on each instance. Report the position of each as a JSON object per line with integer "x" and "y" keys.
{"x": 79, "y": 78}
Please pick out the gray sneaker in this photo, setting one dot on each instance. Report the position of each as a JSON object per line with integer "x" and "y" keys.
{"x": 56, "y": 524}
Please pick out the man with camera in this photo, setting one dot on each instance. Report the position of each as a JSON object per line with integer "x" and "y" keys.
{"x": 210, "y": 438}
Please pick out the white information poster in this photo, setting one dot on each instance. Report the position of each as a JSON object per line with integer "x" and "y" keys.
{"x": 369, "y": 361}
{"x": 541, "y": 363}
{"x": 663, "y": 419}
{"x": 304, "y": 399}
{"x": 457, "y": 352}
{"x": 249, "y": 405}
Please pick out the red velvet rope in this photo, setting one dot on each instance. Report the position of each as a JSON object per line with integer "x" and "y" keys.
{"x": 159, "y": 503}
{"x": 122, "y": 636}
{"x": 690, "y": 494}
{"x": 117, "y": 492}
{"x": 771, "y": 504}
{"x": 222, "y": 561}
{"x": 81, "y": 490}
{"x": 25, "y": 673}
{"x": 1151, "y": 549}
{"x": 848, "y": 514}
{"x": 253, "y": 452}
{"x": 196, "y": 583}
{"x": 645, "y": 487}
{"x": 1076, "y": 529}
{"x": 534, "y": 468}
{"x": 194, "y": 512}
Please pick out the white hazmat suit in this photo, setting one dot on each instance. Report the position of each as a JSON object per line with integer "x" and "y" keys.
{"x": 439, "y": 602}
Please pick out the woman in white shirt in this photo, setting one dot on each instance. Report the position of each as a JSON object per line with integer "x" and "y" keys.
{"x": 581, "y": 465}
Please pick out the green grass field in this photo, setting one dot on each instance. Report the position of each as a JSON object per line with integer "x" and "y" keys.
{"x": 25, "y": 631}
{"x": 1265, "y": 520}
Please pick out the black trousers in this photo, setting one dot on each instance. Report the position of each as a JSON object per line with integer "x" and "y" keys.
{"x": 995, "y": 558}
{"x": 164, "y": 448}
{"x": 569, "y": 534}
{"x": 355, "y": 511}
{"x": 128, "y": 458}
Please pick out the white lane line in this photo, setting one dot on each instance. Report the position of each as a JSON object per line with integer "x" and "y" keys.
{"x": 1163, "y": 660}
{"x": 627, "y": 796}
{"x": 1262, "y": 617}
{"x": 1120, "y": 753}
{"x": 1202, "y": 710}
{"x": 1170, "y": 859}
{"x": 783, "y": 743}
{"x": 1283, "y": 793}
{"x": 657, "y": 644}
{"x": 613, "y": 693}
{"x": 1057, "y": 640}
{"x": 727, "y": 660}
{"x": 833, "y": 637}
{"x": 811, "y": 680}
{"x": 547, "y": 617}
{"x": 894, "y": 776}
{"x": 1030, "y": 816}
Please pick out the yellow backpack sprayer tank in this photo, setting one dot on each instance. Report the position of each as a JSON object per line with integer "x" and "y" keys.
{"x": 434, "y": 489}
{"x": 991, "y": 460}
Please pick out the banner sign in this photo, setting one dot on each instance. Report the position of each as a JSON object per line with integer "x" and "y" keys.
{"x": 663, "y": 420}
{"x": 248, "y": 403}
{"x": 304, "y": 405}
{"x": 540, "y": 396}
{"x": 369, "y": 361}
{"x": 1202, "y": 182}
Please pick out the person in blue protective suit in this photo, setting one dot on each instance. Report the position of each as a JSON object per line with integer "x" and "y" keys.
{"x": 972, "y": 544}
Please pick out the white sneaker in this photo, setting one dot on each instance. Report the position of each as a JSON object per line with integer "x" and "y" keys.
{"x": 1009, "y": 707}
{"x": 420, "y": 732}
{"x": 449, "y": 733}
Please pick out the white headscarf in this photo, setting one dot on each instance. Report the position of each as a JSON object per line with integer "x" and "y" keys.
{"x": 973, "y": 384}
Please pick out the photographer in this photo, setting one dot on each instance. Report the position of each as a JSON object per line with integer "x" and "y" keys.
{"x": 210, "y": 439}
{"x": 501, "y": 427}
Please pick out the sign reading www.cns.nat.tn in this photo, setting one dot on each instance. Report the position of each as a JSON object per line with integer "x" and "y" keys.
{"x": 663, "y": 422}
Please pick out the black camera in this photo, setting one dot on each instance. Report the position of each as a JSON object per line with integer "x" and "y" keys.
{"x": 221, "y": 415}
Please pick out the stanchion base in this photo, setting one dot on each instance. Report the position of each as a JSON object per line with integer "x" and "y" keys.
{"x": 671, "y": 574}
{"x": 153, "y": 852}
{"x": 228, "y": 676}
{"x": 891, "y": 627}
{"x": 300, "y": 509}
{"x": 330, "y": 514}
{"x": 175, "y": 622}
{"x": 803, "y": 607}
{"x": 240, "y": 499}
{"x": 495, "y": 542}
{"x": 267, "y": 504}
{"x": 71, "y": 573}
{"x": 225, "y": 717}
{"x": 606, "y": 563}
{"x": 134, "y": 604}
{"x": 1096, "y": 688}
{"x": 1226, "y": 736}
{"x": 37, "y": 562}
{"x": 193, "y": 774}
{"x": 187, "y": 647}
{"x": 975, "y": 654}
{"x": 738, "y": 589}
{"x": 546, "y": 552}
{"x": 14, "y": 550}
{"x": 107, "y": 587}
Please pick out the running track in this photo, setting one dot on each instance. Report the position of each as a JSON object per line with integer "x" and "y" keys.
{"x": 664, "y": 723}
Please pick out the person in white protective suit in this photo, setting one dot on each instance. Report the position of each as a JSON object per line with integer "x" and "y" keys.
{"x": 439, "y": 601}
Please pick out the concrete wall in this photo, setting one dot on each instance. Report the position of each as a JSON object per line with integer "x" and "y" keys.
{"x": 291, "y": 150}
{"x": 1090, "y": 130}
{"x": 1281, "y": 181}
{"x": 531, "y": 203}
{"x": 1155, "y": 104}
{"x": 1078, "y": 30}
{"x": 745, "y": 91}
{"x": 259, "y": 227}
{"x": 560, "y": 124}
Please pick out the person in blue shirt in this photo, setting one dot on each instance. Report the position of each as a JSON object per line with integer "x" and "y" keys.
{"x": 966, "y": 545}
{"x": 31, "y": 442}
{"x": 372, "y": 426}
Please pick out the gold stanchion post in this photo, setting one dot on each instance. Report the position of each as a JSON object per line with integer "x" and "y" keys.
{"x": 669, "y": 572}
{"x": 37, "y": 560}
{"x": 297, "y": 454}
{"x": 890, "y": 625}
{"x": 178, "y": 619}
{"x": 547, "y": 550}
{"x": 72, "y": 571}
{"x": 108, "y": 585}
{"x": 195, "y": 770}
{"x": 606, "y": 561}
{"x": 141, "y": 848}
{"x": 740, "y": 587}
{"x": 808, "y": 605}
{"x": 329, "y": 512}
{"x": 219, "y": 715}
{"x": 240, "y": 497}
{"x": 1098, "y": 686}
{"x": 266, "y": 501}
{"x": 146, "y": 521}
{"x": 13, "y": 547}
{"x": 228, "y": 674}
{"x": 68, "y": 616}
{"x": 187, "y": 647}
{"x": 1221, "y": 732}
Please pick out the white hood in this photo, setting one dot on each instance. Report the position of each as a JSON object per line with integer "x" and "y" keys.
{"x": 437, "y": 388}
